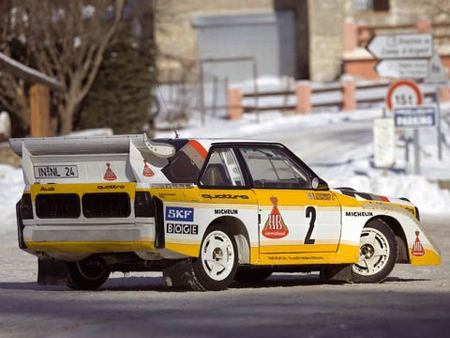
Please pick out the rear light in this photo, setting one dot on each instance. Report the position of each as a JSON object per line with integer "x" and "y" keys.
{"x": 26, "y": 207}
{"x": 58, "y": 206}
{"x": 106, "y": 205}
{"x": 143, "y": 204}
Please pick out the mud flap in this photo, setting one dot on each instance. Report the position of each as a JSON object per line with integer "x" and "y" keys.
{"x": 52, "y": 272}
{"x": 182, "y": 275}
{"x": 336, "y": 273}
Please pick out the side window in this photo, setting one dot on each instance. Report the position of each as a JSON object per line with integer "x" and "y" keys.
{"x": 273, "y": 168}
{"x": 222, "y": 170}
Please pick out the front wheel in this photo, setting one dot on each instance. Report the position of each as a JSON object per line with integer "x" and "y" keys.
{"x": 88, "y": 274}
{"x": 218, "y": 262}
{"x": 377, "y": 253}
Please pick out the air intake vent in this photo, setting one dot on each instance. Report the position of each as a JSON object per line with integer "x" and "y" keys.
{"x": 143, "y": 204}
{"x": 106, "y": 205}
{"x": 58, "y": 206}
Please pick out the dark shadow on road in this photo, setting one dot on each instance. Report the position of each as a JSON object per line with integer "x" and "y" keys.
{"x": 157, "y": 284}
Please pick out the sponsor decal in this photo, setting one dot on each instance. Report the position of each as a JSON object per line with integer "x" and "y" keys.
{"x": 358, "y": 213}
{"x": 320, "y": 196}
{"x": 182, "y": 229}
{"x": 47, "y": 189}
{"x": 166, "y": 194}
{"x": 364, "y": 196}
{"x": 179, "y": 214}
{"x": 226, "y": 211}
{"x": 417, "y": 249}
{"x": 110, "y": 187}
{"x": 275, "y": 227}
{"x": 226, "y": 196}
{"x": 293, "y": 257}
{"x": 109, "y": 174}
{"x": 147, "y": 172}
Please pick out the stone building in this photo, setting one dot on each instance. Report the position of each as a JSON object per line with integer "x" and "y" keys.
{"x": 303, "y": 39}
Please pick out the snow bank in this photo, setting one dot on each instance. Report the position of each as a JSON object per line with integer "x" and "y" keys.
{"x": 11, "y": 188}
{"x": 427, "y": 196}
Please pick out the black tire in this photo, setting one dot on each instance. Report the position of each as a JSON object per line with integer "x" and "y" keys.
{"x": 88, "y": 274}
{"x": 203, "y": 269}
{"x": 252, "y": 275}
{"x": 377, "y": 259}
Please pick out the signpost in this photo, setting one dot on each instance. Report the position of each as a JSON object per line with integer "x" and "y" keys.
{"x": 415, "y": 117}
{"x": 410, "y": 56}
{"x": 403, "y": 69}
{"x": 406, "y": 94}
{"x": 384, "y": 142}
{"x": 403, "y": 93}
{"x": 437, "y": 73}
{"x": 401, "y": 46}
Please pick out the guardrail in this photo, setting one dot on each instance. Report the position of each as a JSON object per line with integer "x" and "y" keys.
{"x": 306, "y": 97}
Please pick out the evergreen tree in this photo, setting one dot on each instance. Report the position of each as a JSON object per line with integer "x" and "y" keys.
{"x": 121, "y": 94}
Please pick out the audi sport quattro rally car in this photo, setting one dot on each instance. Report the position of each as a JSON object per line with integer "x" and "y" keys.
{"x": 205, "y": 212}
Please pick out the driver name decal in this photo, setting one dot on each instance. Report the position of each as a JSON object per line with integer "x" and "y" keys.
{"x": 275, "y": 227}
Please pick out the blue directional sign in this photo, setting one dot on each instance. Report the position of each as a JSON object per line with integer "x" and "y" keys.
{"x": 415, "y": 117}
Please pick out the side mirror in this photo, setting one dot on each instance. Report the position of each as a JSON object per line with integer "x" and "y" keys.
{"x": 319, "y": 184}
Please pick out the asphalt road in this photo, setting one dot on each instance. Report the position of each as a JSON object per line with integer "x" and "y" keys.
{"x": 413, "y": 302}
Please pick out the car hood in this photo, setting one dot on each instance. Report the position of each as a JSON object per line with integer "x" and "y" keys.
{"x": 364, "y": 196}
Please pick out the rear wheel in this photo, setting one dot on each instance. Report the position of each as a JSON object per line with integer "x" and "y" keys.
{"x": 88, "y": 274}
{"x": 377, "y": 253}
{"x": 218, "y": 262}
{"x": 252, "y": 275}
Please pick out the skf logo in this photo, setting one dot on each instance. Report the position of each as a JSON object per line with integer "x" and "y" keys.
{"x": 179, "y": 214}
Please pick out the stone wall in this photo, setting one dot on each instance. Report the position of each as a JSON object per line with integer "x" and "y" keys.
{"x": 326, "y": 38}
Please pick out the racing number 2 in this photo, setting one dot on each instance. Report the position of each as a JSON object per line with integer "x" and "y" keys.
{"x": 311, "y": 214}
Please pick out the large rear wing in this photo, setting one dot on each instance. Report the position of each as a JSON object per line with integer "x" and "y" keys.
{"x": 88, "y": 159}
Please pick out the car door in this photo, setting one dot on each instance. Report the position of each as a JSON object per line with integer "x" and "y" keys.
{"x": 224, "y": 191}
{"x": 294, "y": 218}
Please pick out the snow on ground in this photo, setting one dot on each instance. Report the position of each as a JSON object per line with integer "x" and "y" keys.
{"x": 11, "y": 188}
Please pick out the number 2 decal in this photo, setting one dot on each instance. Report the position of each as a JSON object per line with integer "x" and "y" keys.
{"x": 311, "y": 214}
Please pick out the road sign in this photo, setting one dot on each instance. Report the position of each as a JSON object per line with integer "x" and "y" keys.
{"x": 400, "y": 46}
{"x": 384, "y": 142}
{"x": 403, "y": 93}
{"x": 415, "y": 117}
{"x": 403, "y": 69}
{"x": 437, "y": 73}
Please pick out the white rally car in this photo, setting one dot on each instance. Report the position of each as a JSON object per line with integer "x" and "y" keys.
{"x": 205, "y": 212}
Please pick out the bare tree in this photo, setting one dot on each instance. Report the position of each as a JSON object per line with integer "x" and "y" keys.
{"x": 13, "y": 91}
{"x": 67, "y": 40}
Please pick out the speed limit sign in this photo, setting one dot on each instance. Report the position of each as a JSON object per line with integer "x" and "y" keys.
{"x": 403, "y": 93}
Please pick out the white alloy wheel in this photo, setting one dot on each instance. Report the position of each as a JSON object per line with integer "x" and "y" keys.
{"x": 374, "y": 252}
{"x": 217, "y": 255}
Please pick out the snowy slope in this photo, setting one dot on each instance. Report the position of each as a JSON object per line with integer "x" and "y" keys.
{"x": 11, "y": 187}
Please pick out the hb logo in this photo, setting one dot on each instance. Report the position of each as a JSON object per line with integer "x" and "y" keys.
{"x": 179, "y": 214}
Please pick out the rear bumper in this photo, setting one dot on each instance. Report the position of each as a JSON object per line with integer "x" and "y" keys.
{"x": 90, "y": 239}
